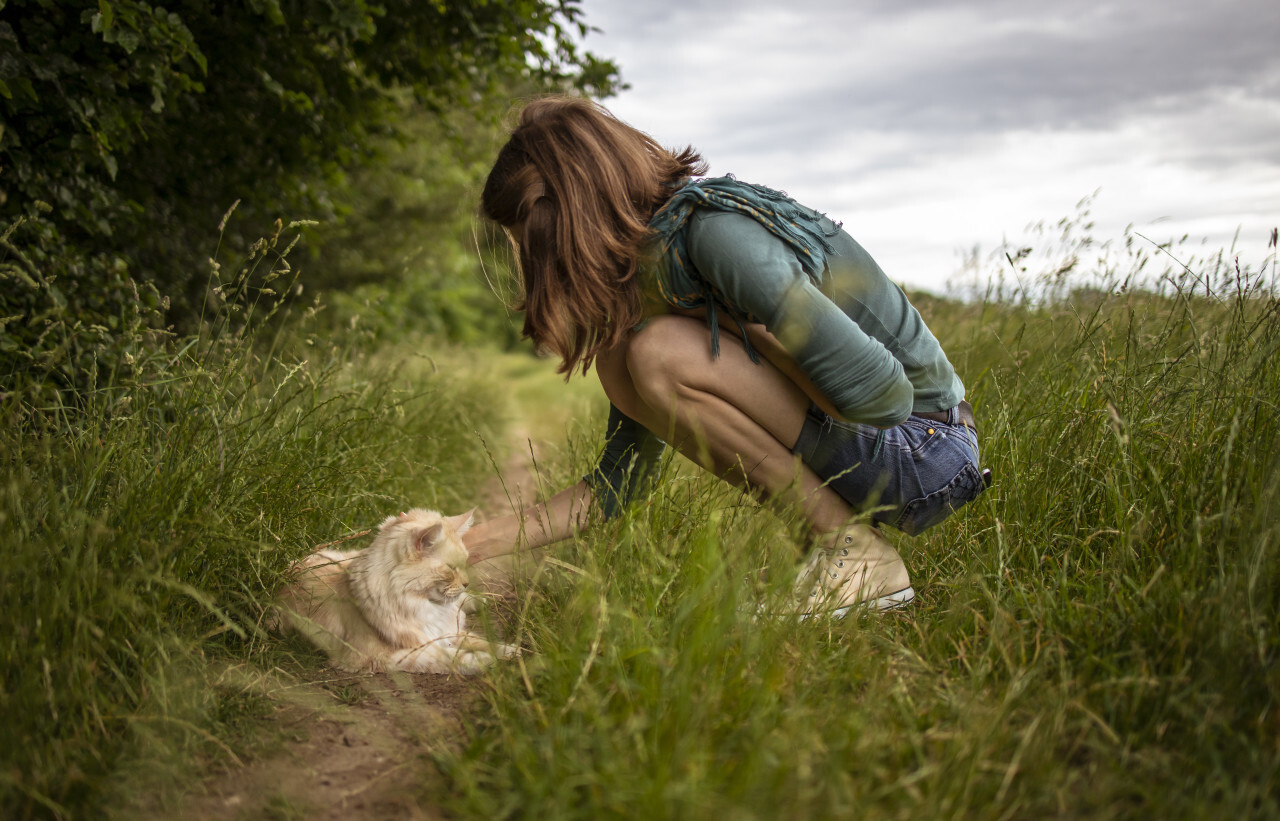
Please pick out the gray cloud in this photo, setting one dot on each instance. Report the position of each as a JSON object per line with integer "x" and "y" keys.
{"x": 1060, "y": 79}
{"x": 1002, "y": 65}
{"x": 937, "y": 124}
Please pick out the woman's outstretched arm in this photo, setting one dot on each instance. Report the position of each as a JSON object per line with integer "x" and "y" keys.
{"x": 536, "y": 526}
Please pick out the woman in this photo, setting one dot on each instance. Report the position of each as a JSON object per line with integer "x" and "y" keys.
{"x": 738, "y": 326}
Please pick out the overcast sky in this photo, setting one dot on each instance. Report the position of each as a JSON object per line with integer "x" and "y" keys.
{"x": 932, "y": 126}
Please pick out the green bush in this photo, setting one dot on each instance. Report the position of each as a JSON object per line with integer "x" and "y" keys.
{"x": 68, "y": 320}
{"x": 410, "y": 255}
{"x": 139, "y": 124}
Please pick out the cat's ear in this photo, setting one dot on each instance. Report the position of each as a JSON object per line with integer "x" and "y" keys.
{"x": 427, "y": 538}
{"x": 462, "y": 522}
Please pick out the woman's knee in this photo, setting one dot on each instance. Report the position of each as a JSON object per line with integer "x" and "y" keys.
{"x": 668, "y": 353}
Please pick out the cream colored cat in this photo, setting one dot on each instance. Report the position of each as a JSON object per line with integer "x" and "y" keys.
{"x": 397, "y": 604}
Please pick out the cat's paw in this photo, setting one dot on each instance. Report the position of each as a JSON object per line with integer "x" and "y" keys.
{"x": 508, "y": 651}
{"x": 469, "y": 663}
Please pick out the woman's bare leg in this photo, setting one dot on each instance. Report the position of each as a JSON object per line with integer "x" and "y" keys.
{"x": 731, "y": 415}
{"x": 740, "y": 419}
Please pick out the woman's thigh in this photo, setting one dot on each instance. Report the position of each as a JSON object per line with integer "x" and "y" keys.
{"x": 664, "y": 377}
{"x": 666, "y": 369}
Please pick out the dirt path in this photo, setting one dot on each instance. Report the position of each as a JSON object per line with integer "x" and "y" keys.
{"x": 348, "y": 746}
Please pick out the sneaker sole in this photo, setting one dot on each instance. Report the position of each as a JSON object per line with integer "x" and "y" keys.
{"x": 893, "y": 601}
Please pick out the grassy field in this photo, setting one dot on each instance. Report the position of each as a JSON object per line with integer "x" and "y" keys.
{"x": 1095, "y": 638}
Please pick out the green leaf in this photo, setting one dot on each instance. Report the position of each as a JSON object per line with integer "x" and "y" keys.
{"x": 272, "y": 84}
{"x": 128, "y": 40}
{"x": 23, "y": 85}
{"x": 108, "y": 14}
{"x": 4, "y": 91}
{"x": 273, "y": 12}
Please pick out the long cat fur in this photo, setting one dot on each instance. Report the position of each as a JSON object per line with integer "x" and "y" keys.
{"x": 395, "y": 605}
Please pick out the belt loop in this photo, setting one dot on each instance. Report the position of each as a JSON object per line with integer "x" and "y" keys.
{"x": 953, "y": 416}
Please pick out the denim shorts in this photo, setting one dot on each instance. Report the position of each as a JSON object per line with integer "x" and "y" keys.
{"x": 910, "y": 477}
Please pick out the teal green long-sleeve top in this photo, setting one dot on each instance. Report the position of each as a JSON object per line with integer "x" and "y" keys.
{"x": 853, "y": 332}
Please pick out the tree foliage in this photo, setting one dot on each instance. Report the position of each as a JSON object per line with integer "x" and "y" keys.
{"x": 138, "y": 125}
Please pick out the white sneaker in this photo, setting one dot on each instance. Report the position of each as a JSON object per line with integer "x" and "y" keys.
{"x": 858, "y": 568}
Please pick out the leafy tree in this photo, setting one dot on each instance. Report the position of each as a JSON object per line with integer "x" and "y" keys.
{"x": 139, "y": 124}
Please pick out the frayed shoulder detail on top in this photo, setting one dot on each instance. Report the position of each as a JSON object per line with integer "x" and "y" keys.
{"x": 679, "y": 282}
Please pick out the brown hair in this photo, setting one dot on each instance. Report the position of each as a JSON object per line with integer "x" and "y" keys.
{"x": 584, "y": 185}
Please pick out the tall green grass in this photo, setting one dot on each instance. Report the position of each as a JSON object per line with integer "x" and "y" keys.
{"x": 147, "y": 521}
{"x": 1096, "y": 637}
